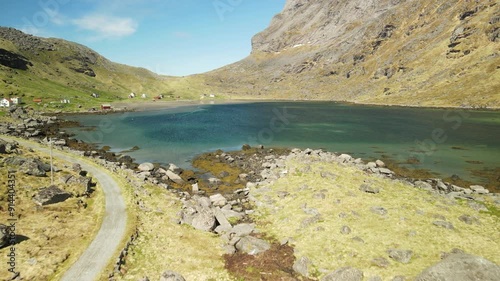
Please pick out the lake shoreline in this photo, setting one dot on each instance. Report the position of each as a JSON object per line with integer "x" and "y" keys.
{"x": 158, "y": 105}
{"x": 145, "y": 106}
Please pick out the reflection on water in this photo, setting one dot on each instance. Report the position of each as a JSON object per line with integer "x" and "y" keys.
{"x": 449, "y": 142}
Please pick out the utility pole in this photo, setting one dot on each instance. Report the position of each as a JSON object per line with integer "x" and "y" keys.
{"x": 51, "y": 164}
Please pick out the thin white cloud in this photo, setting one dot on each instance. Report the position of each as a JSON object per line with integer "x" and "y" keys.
{"x": 30, "y": 29}
{"x": 58, "y": 19}
{"x": 107, "y": 27}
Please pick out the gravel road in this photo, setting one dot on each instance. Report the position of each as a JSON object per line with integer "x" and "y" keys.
{"x": 95, "y": 258}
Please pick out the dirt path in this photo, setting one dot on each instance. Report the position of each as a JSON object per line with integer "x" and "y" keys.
{"x": 95, "y": 258}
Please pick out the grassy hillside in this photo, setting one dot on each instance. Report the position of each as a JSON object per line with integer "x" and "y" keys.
{"x": 56, "y": 69}
{"x": 334, "y": 224}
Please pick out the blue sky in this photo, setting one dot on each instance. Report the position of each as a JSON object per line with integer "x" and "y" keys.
{"x": 169, "y": 37}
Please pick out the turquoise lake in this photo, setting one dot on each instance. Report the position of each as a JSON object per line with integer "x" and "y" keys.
{"x": 445, "y": 141}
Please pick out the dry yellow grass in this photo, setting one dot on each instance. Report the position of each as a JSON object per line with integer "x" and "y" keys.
{"x": 56, "y": 234}
{"x": 165, "y": 245}
{"x": 407, "y": 225}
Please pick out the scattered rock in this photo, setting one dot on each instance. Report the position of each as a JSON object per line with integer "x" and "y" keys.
{"x": 344, "y": 274}
{"x": 328, "y": 175}
{"x": 34, "y": 167}
{"x": 385, "y": 171}
{"x": 218, "y": 200}
{"x": 76, "y": 167}
{"x": 174, "y": 177}
{"x": 381, "y": 262}
{"x": 252, "y": 245}
{"x": 195, "y": 188}
{"x": 310, "y": 221}
{"x": 423, "y": 185}
{"x": 51, "y": 195}
{"x": 378, "y": 210}
{"x": 478, "y": 207}
{"x": 402, "y": 256}
{"x": 198, "y": 214}
{"x": 224, "y": 224}
{"x": 479, "y": 189}
{"x": 369, "y": 189}
{"x": 243, "y": 229}
{"x": 461, "y": 267}
{"x": 380, "y": 164}
{"x": 469, "y": 219}
{"x": 4, "y": 235}
{"x": 171, "y": 276}
{"x": 146, "y": 167}
{"x": 345, "y": 230}
{"x": 173, "y": 168}
{"x": 283, "y": 194}
{"x": 7, "y": 147}
{"x": 204, "y": 220}
{"x": 301, "y": 266}
{"x": 444, "y": 224}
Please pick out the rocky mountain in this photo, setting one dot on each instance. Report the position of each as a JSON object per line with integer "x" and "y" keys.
{"x": 406, "y": 52}
{"x": 55, "y": 69}
{"x": 401, "y": 52}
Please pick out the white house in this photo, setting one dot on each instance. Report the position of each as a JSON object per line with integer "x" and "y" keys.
{"x": 16, "y": 100}
{"x": 131, "y": 96}
{"x": 6, "y": 102}
{"x": 144, "y": 96}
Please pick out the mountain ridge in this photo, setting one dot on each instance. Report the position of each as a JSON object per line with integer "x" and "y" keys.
{"x": 390, "y": 52}
{"x": 400, "y": 52}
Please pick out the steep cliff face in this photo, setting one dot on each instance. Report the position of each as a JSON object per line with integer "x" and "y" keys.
{"x": 408, "y": 52}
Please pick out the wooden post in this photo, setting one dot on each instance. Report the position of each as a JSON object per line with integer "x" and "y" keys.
{"x": 51, "y": 164}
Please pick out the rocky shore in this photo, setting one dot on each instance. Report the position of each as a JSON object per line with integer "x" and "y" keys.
{"x": 222, "y": 197}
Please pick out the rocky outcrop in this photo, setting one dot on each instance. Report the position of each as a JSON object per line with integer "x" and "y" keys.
{"x": 13, "y": 60}
{"x": 34, "y": 167}
{"x": 8, "y": 147}
{"x": 461, "y": 267}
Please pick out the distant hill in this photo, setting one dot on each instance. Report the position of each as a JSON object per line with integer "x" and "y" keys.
{"x": 405, "y": 52}
{"x": 54, "y": 69}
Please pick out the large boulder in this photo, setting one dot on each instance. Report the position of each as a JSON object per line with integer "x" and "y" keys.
{"x": 174, "y": 177}
{"x": 198, "y": 214}
{"x": 146, "y": 167}
{"x": 51, "y": 195}
{"x": 171, "y": 276}
{"x": 252, "y": 245}
{"x": 84, "y": 184}
{"x": 461, "y": 267}
{"x": 302, "y": 265}
{"x": 218, "y": 200}
{"x": 7, "y": 147}
{"x": 34, "y": 167}
{"x": 14, "y": 161}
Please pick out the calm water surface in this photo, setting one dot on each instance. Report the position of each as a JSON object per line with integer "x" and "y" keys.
{"x": 448, "y": 142}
